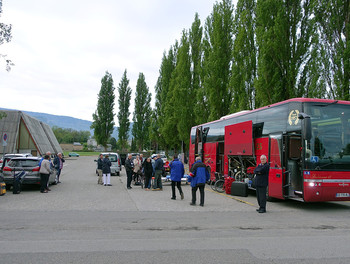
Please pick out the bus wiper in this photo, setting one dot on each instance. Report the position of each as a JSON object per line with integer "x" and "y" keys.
{"x": 327, "y": 104}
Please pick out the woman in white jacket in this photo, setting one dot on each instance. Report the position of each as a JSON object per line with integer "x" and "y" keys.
{"x": 44, "y": 174}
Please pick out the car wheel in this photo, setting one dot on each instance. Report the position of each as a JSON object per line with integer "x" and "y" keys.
{"x": 70, "y": 156}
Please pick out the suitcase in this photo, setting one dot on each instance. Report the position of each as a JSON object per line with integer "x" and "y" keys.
{"x": 2, "y": 188}
{"x": 239, "y": 189}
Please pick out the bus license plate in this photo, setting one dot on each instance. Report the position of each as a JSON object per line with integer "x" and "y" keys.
{"x": 342, "y": 195}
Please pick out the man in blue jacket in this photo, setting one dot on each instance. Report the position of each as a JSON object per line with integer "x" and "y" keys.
{"x": 198, "y": 180}
{"x": 177, "y": 171}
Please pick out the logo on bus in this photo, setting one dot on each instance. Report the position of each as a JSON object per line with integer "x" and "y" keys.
{"x": 293, "y": 119}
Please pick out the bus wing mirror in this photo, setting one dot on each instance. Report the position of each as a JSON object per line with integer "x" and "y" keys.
{"x": 306, "y": 125}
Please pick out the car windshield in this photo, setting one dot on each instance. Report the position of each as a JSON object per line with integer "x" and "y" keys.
{"x": 23, "y": 163}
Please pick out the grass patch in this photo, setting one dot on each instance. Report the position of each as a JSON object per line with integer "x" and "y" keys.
{"x": 82, "y": 153}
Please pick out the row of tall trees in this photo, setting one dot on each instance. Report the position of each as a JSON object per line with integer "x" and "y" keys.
{"x": 257, "y": 53}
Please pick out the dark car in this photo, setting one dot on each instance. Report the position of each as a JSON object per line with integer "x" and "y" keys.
{"x": 28, "y": 164}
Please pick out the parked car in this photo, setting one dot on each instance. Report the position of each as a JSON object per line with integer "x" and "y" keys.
{"x": 6, "y": 158}
{"x": 73, "y": 154}
{"x": 28, "y": 164}
{"x": 116, "y": 167}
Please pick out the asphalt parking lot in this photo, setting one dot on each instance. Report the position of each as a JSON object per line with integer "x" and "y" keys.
{"x": 80, "y": 221}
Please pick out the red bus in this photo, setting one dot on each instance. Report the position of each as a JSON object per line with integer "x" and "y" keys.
{"x": 306, "y": 141}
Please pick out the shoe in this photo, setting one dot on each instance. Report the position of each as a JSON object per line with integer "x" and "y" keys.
{"x": 202, "y": 205}
{"x": 182, "y": 196}
{"x": 58, "y": 182}
{"x": 104, "y": 184}
{"x": 129, "y": 188}
{"x": 262, "y": 211}
{"x": 173, "y": 198}
{"x": 146, "y": 189}
{"x": 47, "y": 189}
{"x": 258, "y": 209}
{"x": 44, "y": 191}
{"x": 192, "y": 203}
{"x": 109, "y": 184}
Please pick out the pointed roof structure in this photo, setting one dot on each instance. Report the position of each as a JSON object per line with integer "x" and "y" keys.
{"x": 26, "y": 134}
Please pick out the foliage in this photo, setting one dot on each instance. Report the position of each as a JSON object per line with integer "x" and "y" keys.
{"x": 283, "y": 51}
{"x": 124, "y": 113}
{"x": 142, "y": 113}
{"x": 103, "y": 117}
{"x": 217, "y": 59}
{"x": 333, "y": 23}
{"x": 244, "y": 65}
{"x": 69, "y": 136}
{"x": 5, "y": 36}
{"x": 2, "y": 115}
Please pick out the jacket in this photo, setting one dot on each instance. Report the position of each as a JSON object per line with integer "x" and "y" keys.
{"x": 129, "y": 165}
{"x": 106, "y": 166}
{"x": 45, "y": 167}
{"x": 159, "y": 164}
{"x": 177, "y": 170}
{"x": 201, "y": 174}
{"x": 99, "y": 164}
{"x": 56, "y": 162}
{"x": 147, "y": 168}
{"x": 262, "y": 175}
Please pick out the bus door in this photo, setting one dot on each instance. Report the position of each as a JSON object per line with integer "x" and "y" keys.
{"x": 277, "y": 173}
{"x": 198, "y": 144}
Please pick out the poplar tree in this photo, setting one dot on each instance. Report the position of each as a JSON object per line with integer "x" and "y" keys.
{"x": 142, "y": 113}
{"x": 244, "y": 57}
{"x": 196, "y": 52}
{"x": 162, "y": 89}
{"x": 333, "y": 23}
{"x": 284, "y": 34}
{"x": 179, "y": 110}
{"x": 124, "y": 113}
{"x": 103, "y": 117}
{"x": 217, "y": 59}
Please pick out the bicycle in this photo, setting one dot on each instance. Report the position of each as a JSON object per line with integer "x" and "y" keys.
{"x": 219, "y": 184}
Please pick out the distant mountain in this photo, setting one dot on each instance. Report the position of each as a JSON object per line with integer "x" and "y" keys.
{"x": 66, "y": 122}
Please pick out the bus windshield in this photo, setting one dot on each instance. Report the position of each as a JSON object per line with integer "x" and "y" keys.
{"x": 329, "y": 147}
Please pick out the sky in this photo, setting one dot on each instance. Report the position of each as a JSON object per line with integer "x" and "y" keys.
{"x": 62, "y": 49}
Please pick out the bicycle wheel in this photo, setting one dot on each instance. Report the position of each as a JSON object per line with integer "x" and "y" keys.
{"x": 212, "y": 185}
{"x": 219, "y": 186}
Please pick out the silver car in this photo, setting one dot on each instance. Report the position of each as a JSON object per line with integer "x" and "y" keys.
{"x": 28, "y": 164}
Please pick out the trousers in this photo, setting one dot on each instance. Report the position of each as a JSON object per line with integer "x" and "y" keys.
{"x": 201, "y": 191}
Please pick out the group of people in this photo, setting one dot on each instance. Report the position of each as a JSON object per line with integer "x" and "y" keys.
{"x": 104, "y": 170}
{"x": 46, "y": 167}
{"x": 198, "y": 177}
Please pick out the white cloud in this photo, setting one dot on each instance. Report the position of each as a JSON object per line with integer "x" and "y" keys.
{"x": 62, "y": 48}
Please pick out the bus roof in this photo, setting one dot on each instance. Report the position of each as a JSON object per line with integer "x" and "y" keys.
{"x": 301, "y": 100}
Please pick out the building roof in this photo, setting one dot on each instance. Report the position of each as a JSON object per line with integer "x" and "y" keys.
{"x": 27, "y": 134}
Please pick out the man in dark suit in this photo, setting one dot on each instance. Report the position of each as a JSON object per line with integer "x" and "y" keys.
{"x": 261, "y": 182}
